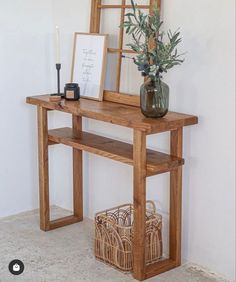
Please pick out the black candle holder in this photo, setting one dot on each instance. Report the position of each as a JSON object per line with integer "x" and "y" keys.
{"x": 58, "y": 68}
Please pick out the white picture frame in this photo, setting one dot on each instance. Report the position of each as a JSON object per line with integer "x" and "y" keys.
{"x": 89, "y": 64}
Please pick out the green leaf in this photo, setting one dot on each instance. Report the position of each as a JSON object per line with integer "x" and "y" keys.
{"x": 143, "y": 28}
{"x": 129, "y": 15}
{"x": 133, "y": 6}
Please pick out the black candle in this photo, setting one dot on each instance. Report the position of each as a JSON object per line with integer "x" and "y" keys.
{"x": 72, "y": 91}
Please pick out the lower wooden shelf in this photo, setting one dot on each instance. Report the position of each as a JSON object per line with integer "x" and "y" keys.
{"x": 156, "y": 162}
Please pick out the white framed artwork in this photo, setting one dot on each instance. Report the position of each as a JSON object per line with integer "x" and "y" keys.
{"x": 89, "y": 64}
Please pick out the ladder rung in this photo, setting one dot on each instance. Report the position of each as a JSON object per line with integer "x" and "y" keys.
{"x": 114, "y": 50}
{"x": 123, "y": 6}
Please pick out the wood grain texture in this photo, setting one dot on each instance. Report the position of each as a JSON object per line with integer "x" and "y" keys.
{"x": 95, "y": 16}
{"x": 122, "y": 6}
{"x": 43, "y": 168}
{"x": 159, "y": 267}
{"x": 77, "y": 170}
{"x": 119, "y": 151}
{"x": 117, "y": 114}
{"x": 121, "y": 98}
{"x": 117, "y": 50}
{"x": 64, "y": 221}
{"x": 176, "y": 145}
{"x": 120, "y": 46}
{"x": 176, "y": 199}
{"x": 153, "y": 4}
{"x": 92, "y": 16}
{"x": 139, "y": 201}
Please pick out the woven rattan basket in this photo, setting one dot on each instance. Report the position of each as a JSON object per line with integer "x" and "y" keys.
{"x": 114, "y": 234}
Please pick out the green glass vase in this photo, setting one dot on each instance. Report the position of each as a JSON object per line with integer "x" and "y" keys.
{"x": 154, "y": 98}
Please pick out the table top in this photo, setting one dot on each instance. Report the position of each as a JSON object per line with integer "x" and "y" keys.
{"x": 115, "y": 113}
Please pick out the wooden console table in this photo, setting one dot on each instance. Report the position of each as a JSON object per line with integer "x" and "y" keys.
{"x": 145, "y": 163}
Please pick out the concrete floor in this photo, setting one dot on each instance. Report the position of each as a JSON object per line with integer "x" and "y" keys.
{"x": 66, "y": 254}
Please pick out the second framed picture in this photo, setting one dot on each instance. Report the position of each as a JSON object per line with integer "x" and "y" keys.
{"x": 89, "y": 64}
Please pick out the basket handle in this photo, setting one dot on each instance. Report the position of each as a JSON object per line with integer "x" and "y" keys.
{"x": 153, "y": 205}
{"x": 106, "y": 219}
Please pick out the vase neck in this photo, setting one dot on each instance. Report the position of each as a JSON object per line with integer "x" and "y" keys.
{"x": 155, "y": 80}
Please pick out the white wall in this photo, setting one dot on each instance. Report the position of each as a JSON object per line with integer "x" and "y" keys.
{"x": 204, "y": 86}
{"x": 208, "y": 91}
{"x": 25, "y": 47}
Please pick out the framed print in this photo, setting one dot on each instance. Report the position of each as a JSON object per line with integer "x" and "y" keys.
{"x": 89, "y": 64}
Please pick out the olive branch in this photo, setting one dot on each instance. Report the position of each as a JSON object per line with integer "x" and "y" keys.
{"x": 154, "y": 54}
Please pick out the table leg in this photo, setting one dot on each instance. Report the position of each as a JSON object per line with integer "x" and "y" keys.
{"x": 176, "y": 199}
{"x": 45, "y": 223}
{"x": 43, "y": 168}
{"x": 139, "y": 156}
{"x": 77, "y": 171}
